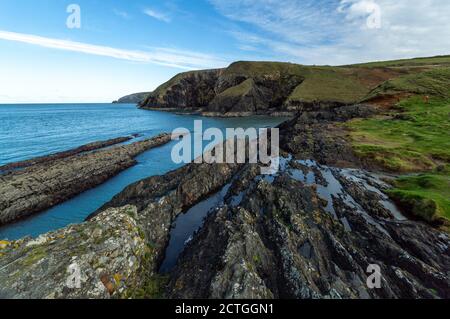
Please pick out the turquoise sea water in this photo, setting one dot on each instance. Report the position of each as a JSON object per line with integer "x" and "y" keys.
{"x": 28, "y": 131}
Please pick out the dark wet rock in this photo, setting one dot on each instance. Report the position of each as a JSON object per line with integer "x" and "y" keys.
{"x": 57, "y": 178}
{"x": 103, "y": 244}
{"x": 270, "y": 237}
{"x": 160, "y": 199}
{"x": 309, "y": 231}
{"x": 280, "y": 242}
{"x": 313, "y": 134}
{"x": 370, "y": 201}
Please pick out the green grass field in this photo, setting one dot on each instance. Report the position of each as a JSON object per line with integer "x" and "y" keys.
{"x": 425, "y": 195}
{"x": 414, "y": 137}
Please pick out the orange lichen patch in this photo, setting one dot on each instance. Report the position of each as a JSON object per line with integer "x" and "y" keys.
{"x": 108, "y": 284}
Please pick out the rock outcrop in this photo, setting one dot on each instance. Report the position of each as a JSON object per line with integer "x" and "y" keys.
{"x": 118, "y": 250}
{"x": 60, "y": 155}
{"x": 278, "y": 238}
{"x": 56, "y": 178}
{"x": 313, "y": 134}
{"x": 102, "y": 258}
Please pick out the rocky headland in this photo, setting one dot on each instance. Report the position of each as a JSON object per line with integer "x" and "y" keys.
{"x": 314, "y": 229}
{"x": 271, "y": 88}
{"x": 134, "y": 98}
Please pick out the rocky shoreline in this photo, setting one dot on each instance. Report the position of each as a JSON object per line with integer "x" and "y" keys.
{"x": 32, "y": 186}
{"x": 310, "y": 231}
{"x": 60, "y": 155}
{"x": 201, "y": 112}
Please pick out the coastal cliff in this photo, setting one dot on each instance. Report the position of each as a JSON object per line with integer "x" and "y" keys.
{"x": 135, "y": 98}
{"x": 338, "y": 206}
{"x": 274, "y": 88}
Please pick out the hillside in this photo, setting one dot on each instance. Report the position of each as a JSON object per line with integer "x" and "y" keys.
{"x": 407, "y": 133}
{"x": 135, "y": 98}
{"x": 246, "y": 88}
{"x": 411, "y": 134}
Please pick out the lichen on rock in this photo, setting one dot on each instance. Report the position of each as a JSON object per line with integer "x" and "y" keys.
{"x": 97, "y": 259}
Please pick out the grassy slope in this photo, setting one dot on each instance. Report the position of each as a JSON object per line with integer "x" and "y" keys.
{"x": 414, "y": 136}
{"x": 437, "y": 60}
{"x": 329, "y": 84}
{"x": 321, "y": 83}
{"x": 434, "y": 82}
{"x": 238, "y": 90}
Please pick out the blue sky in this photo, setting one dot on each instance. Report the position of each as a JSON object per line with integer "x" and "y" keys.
{"x": 130, "y": 46}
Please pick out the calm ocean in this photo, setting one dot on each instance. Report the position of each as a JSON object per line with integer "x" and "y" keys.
{"x": 28, "y": 131}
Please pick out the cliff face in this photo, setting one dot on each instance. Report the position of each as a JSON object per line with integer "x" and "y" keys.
{"x": 246, "y": 88}
{"x": 240, "y": 89}
{"x": 187, "y": 91}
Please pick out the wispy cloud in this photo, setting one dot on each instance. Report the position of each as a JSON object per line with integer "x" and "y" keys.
{"x": 122, "y": 14}
{"x": 336, "y": 31}
{"x": 157, "y": 15}
{"x": 162, "y": 56}
{"x": 188, "y": 58}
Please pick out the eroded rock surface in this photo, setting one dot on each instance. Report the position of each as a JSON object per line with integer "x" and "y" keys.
{"x": 227, "y": 92}
{"x": 101, "y": 258}
{"x": 280, "y": 239}
{"x": 313, "y": 134}
{"x": 297, "y": 234}
{"x": 101, "y": 246}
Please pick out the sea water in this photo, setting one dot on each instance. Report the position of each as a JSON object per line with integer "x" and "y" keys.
{"x": 27, "y": 131}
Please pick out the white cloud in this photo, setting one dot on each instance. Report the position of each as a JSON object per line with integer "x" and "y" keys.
{"x": 337, "y": 31}
{"x": 122, "y": 14}
{"x": 162, "y": 56}
{"x": 188, "y": 58}
{"x": 157, "y": 15}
